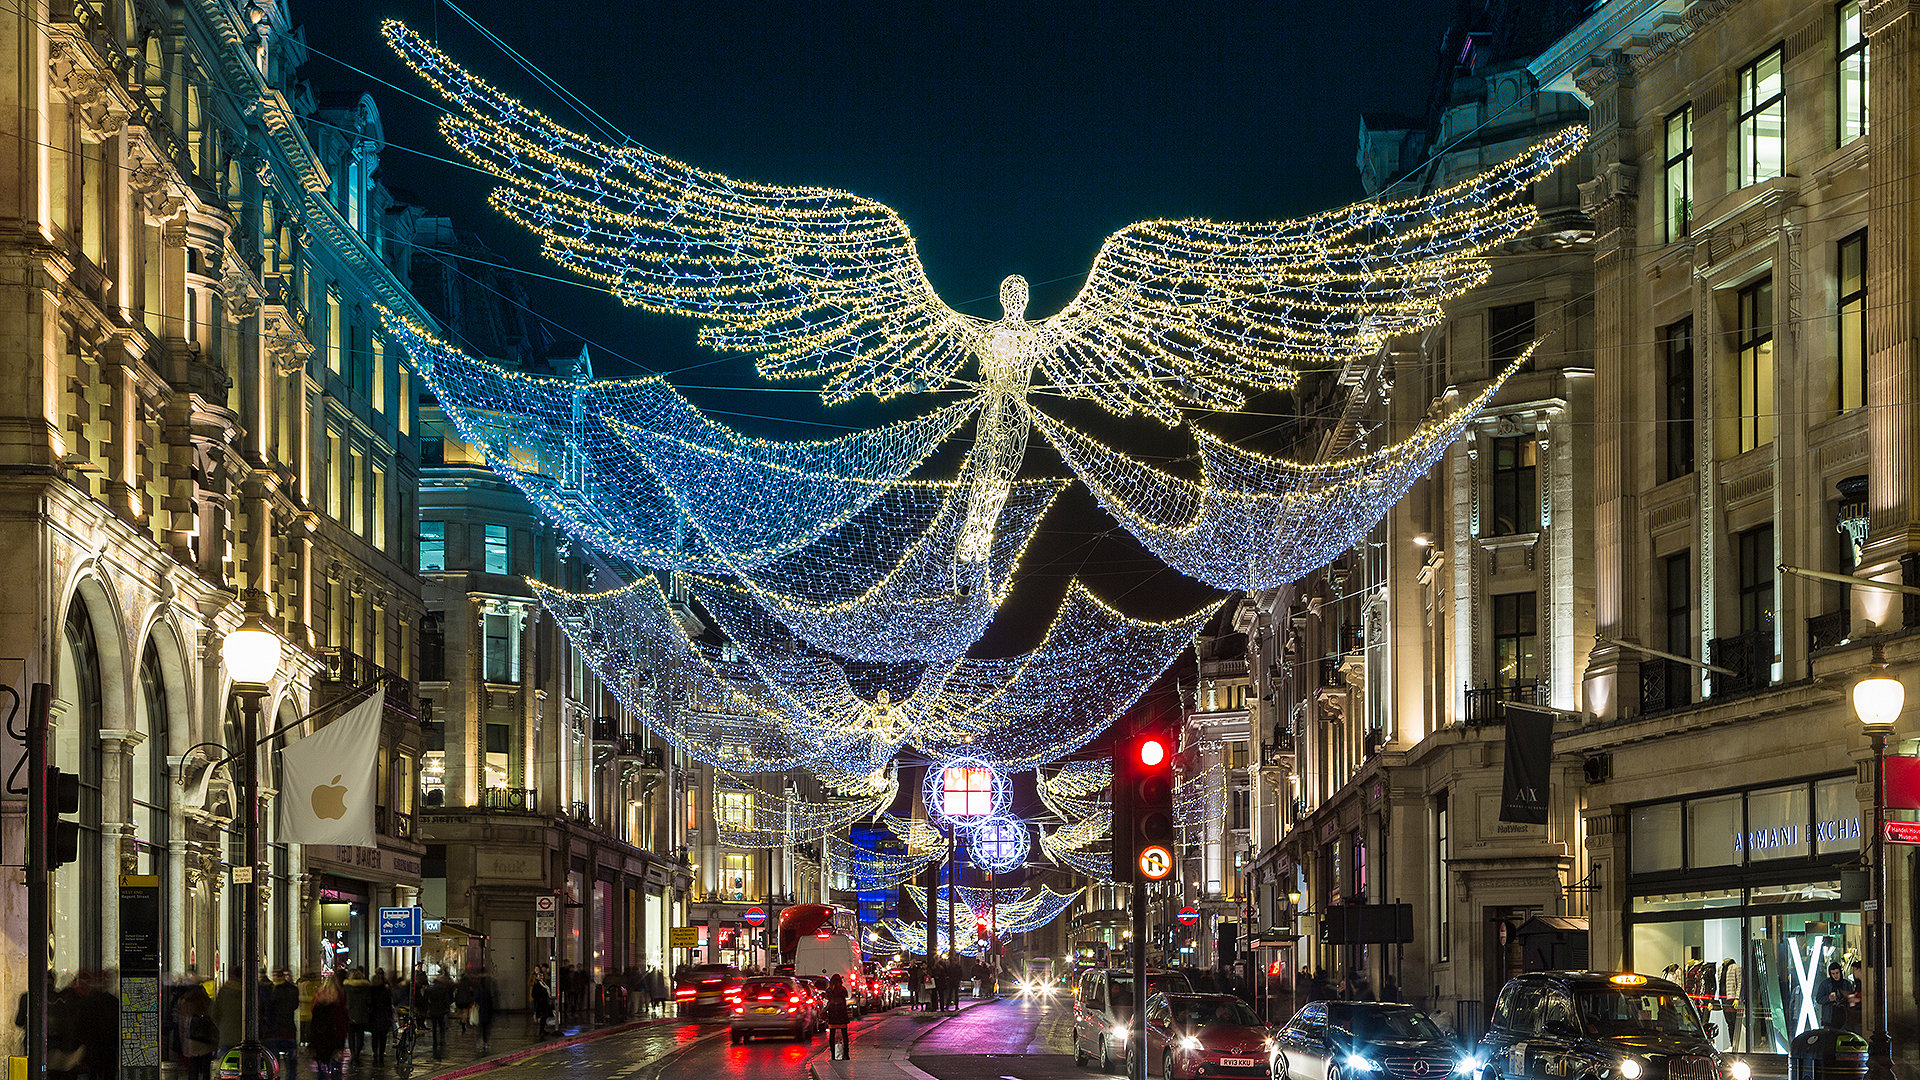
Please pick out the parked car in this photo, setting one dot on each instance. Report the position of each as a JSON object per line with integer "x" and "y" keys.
{"x": 1103, "y": 1010}
{"x": 704, "y": 989}
{"x": 1588, "y": 1023}
{"x": 1194, "y": 1035}
{"x": 1353, "y": 1040}
{"x": 816, "y": 987}
{"x": 773, "y": 1005}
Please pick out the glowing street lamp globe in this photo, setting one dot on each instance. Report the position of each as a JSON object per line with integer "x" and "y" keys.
{"x": 1877, "y": 700}
{"x": 252, "y": 652}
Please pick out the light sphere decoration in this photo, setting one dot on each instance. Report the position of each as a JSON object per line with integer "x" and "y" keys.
{"x": 964, "y": 792}
{"x": 1877, "y": 701}
{"x": 998, "y": 844}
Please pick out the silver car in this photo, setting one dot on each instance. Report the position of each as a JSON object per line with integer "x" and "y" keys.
{"x": 776, "y": 1005}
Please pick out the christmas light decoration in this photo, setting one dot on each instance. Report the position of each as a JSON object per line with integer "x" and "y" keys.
{"x": 1252, "y": 521}
{"x": 870, "y": 869}
{"x": 571, "y": 448}
{"x": 999, "y": 844}
{"x": 818, "y": 283}
{"x": 1200, "y": 800}
{"x": 1095, "y": 863}
{"x": 764, "y": 820}
{"x": 1078, "y": 792}
{"x": 963, "y": 793}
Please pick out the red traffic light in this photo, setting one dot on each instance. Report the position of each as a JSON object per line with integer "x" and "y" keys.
{"x": 1152, "y": 751}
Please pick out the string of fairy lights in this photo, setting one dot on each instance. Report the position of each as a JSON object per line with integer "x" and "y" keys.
{"x": 818, "y": 604}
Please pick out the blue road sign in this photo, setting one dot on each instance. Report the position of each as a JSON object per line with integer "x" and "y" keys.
{"x": 399, "y": 927}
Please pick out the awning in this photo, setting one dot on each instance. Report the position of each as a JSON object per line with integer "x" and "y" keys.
{"x": 450, "y": 929}
{"x": 1551, "y": 924}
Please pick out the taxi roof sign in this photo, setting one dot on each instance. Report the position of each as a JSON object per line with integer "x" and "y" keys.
{"x": 1628, "y": 980}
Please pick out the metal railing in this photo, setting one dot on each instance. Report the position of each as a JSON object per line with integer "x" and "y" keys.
{"x": 345, "y": 670}
{"x": 1665, "y": 686}
{"x": 1331, "y": 677}
{"x": 1827, "y": 631}
{"x": 1485, "y": 704}
{"x": 1750, "y": 655}
{"x": 507, "y": 800}
{"x": 605, "y": 728}
{"x": 581, "y": 812}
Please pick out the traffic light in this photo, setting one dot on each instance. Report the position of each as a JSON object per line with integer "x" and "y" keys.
{"x": 1143, "y": 804}
{"x": 980, "y": 929}
{"x": 63, "y": 836}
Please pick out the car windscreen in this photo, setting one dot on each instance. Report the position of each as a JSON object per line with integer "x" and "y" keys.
{"x": 1120, "y": 987}
{"x": 1626, "y": 1011}
{"x": 763, "y": 986}
{"x": 1199, "y": 1012}
{"x": 1371, "y": 1023}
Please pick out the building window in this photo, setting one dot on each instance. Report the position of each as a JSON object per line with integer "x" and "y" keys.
{"x": 405, "y": 403}
{"x": 496, "y": 542}
{"x": 433, "y": 547}
{"x": 499, "y": 655}
{"x": 1516, "y": 492}
{"x": 1442, "y": 887}
{"x": 1509, "y": 332}
{"x": 1242, "y": 808}
{"x": 433, "y": 450}
{"x": 498, "y": 763}
{"x": 1853, "y": 321}
{"x": 379, "y": 388}
{"x": 736, "y": 876}
{"x": 1236, "y": 754}
{"x": 1762, "y": 135}
{"x": 379, "y": 497}
{"x": 333, "y": 465}
{"x": 1851, "y": 71}
{"x": 1755, "y": 343}
{"x": 356, "y": 499}
{"x": 1677, "y": 344}
{"x": 1516, "y": 640}
{"x": 1756, "y": 579}
{"x": 1678, "y": 572}
{"x": 334, "y": 330}
{"x": 733, "y": 809}
{"x": 433, "y": 647}
{"x": 1679, "y": 172}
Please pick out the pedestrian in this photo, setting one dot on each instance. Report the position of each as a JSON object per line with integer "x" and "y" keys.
{"x": 916, "y": 982}
{"x": 66, "y": 1051}
{"x": 195, "y": 1034}
{"x": 483, "y": 1009}
{"x": 463, "y": 1001}
{"x": 642, "y": 993}
{"x": 379, "y": 1014}
{"x": 1831, "y": 994}
{"x": 357, "y": 989}
{"x": 97, "y": 1013}
{"x": 280, "y": 1019}
{"x": 226, "y": 1010}
{"x": 542, "y": 996}
{"x": 327, "y": 1029}
{"x": 439, "y": 999}
{"x": 838, "y": 1018}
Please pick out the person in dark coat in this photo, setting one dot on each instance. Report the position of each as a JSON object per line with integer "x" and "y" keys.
{"x": 438, "y": 999}
{"x": 379, "y": 1015}
{"x": 357, "y": 989}
{"x": 280, "y": 1017}
{"x": 483, "y": 1009}
{"x": 838, "y": 1017}
{"x": 327, "y": 1029}
{"x": 195, "y": 1034}
{"x": 542, "y": 997}
{"x": 1831, "y": 995}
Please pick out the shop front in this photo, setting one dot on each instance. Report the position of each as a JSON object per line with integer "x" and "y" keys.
{"x": 1745, "y": 898}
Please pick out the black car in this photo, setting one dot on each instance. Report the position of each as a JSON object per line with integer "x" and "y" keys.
{"x": 1601, "y": 1025}
{"x": 1363, "y": 1040}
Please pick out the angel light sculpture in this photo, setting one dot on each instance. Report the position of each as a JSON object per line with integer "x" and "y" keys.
{"x": 1189, "y": 314}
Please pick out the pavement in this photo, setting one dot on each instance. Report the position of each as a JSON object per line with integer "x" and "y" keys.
{"x": 991, "y": 1039}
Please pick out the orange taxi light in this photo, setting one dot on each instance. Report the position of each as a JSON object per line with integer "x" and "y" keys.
{"x": 1628, "y": 980}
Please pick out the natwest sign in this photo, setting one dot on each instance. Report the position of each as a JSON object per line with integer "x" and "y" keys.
{"x": 1903, "y": 832}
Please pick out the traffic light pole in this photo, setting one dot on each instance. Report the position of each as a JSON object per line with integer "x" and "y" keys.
{"x": 39, "y": 872}
{"x": 1137, "y": 1035}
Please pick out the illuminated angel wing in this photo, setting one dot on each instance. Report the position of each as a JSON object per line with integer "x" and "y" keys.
{"x": 816, "y": 283}
{"x": 1194, "y": 313}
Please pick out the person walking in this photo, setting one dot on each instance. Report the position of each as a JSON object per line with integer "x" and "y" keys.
{"x": 483, "y": 1009}
{"x": 379, "y": 1014}
{"x": 327, "y": 1029}
{"x": 195, "y": 1034}
{"x": 542, "y": 997}
{"x": 838, "y": 1018}
{"x": 642, "y": 993}
{"x": 917, "y": 982}
{"x": 357, "y": 990}
{"x": 280, "y": 1020}
{"x": 1831, "y": 995}
{"x": 463, "y": 1001}
{"x": 439, "y": 1000}
{"x": 226, "y": 1010}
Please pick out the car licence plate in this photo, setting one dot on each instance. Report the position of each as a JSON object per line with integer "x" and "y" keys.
{"x": 766, "y": 1009}
{"x": 1241, "y": 1063}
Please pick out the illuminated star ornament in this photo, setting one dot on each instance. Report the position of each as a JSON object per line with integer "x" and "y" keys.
{"x": 851, "y": 590}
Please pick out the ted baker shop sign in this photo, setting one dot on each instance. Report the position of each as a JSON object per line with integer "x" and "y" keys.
{"x": 1793, "y": 837}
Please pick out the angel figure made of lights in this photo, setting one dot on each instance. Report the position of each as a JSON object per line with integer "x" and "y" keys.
{"x": 1182, "y": 314}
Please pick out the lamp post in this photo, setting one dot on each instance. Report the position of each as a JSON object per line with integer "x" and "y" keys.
{"x": 252, "y": 655}
{"x": 1877, "y": 700}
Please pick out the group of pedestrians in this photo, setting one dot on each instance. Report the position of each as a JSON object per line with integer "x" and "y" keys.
{"x": 83, "y": 1026}
{"x": 936, "y": 986}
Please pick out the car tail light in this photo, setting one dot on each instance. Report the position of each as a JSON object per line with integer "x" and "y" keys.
{"x": 793, "y": 1008}
{"x": 739, "y": 1008}
{"x": 685, "y": 991}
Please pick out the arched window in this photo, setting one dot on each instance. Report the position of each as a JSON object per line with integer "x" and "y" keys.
{"x": 77, "y": 886}
{"x": 149, "y": 777}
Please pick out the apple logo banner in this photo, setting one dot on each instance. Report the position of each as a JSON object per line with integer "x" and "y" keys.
{"x": 336, "y": 768}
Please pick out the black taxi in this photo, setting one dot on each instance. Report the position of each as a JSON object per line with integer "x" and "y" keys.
{"x": 1590, "y": 1025}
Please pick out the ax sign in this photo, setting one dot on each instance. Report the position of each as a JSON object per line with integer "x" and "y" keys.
{"x": 1524, "y": 785}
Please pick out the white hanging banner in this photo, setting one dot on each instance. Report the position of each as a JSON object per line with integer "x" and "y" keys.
{"x": 327, "y": 780}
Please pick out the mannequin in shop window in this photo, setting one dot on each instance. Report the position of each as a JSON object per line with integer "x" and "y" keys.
{"x": 1731, "y": 989}
{"x": 1701, "y": 979}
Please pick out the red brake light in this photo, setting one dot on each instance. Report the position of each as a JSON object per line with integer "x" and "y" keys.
{"x": 685, "y": 991}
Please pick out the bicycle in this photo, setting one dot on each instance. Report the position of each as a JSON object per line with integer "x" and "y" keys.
{"x": 403, "y": 1036}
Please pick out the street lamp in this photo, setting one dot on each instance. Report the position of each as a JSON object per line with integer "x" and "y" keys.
{"x": 252, "y": 656}
{"x": 1877, "y": 700}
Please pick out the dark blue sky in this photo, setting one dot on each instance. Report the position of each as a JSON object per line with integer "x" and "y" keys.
{"x": 1012, "y": 138}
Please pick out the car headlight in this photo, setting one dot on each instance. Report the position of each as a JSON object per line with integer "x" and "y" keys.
{"x": 1120, "y": 1032}
{"x": 1360, "y": 1064}
{"x": 1471, "y": 1065}
{"x": 1188, "y": 1042}
{"x": 1739, "y": 1070}
{"x": 1630, "y": 1069}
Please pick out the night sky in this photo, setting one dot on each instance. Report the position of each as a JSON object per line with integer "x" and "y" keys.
{"x": 1012, "y": 139}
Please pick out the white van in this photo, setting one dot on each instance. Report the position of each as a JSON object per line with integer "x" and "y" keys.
{"x": 827, "y": 956}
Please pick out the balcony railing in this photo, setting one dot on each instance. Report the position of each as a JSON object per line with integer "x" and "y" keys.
{"x": 1826, "y": 632}
{"x": 1486, "y": 704}
{"x": 346, "y": 671}
{"x": 605, "y": 729}
{"x": 1750, "y": 655}
{"x": 393, "y": 823}
{"x": 580, "y": 812}
{"x": 1665, "y": 686}
{"x": 1331, "y": 677}
{"x": 507, "y": 800}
